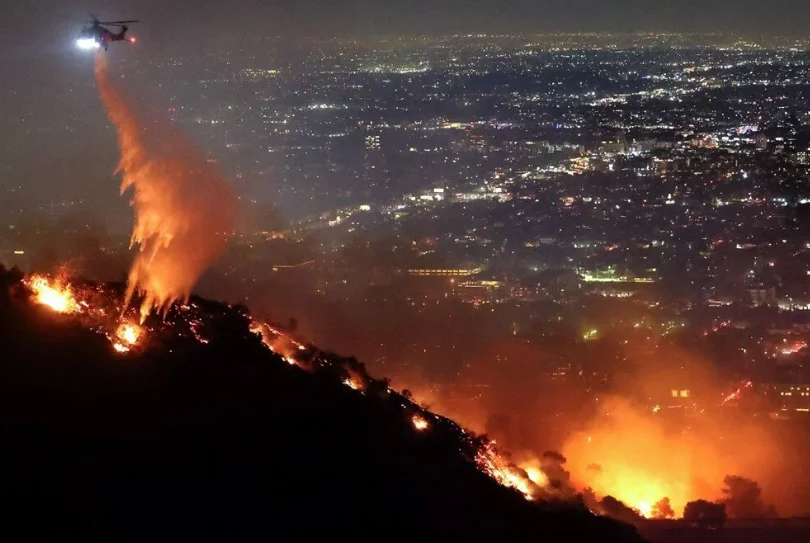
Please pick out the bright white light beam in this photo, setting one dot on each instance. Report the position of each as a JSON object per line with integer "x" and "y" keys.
{"x": 87, "y": 43}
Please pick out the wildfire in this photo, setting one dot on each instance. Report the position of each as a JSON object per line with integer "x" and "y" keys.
{"x": 96, "y": 306}
{"x": 496, "y": 466}
{"x": 632, "y": 457}
{"x": 129, "y": 333}
{"x": 536, "y": 475}
{"x": 645, "y": 509}
{"x": 126, "y": 336}
{"x": 276, "y": 340}
{"x": 92, "y": 306}
{"x": 487, "y": 459}
{"x": 735, "y": 395}
{"x": 352, "y": 383}
{"x": 58, "y": 297}
{"x": 419, "y": 422}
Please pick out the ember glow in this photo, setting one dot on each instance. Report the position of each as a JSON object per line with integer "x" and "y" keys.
{"x": 419, "y": 422}
{"x": 129, "y": 333}
{"x": 535, "y": 475}
{"x": 628, "y": 456}
{"x": 353, "y": 384}
{"x": 487, "y": 458}
{"x": 735, "y": 395}
{"x": 491, "y": 462}
{"x": 101, "y": 311}
{"x": 645, "y": 509}
{"x": 96, "y": 309}
{"x": 632, "y": 456}
{"x": 793, "y": 348}
{"x": 184, "y": 209}
{"x": 126, "y": 337}
{"x": 58, "y": 297}
{"x": 278, "y": 342}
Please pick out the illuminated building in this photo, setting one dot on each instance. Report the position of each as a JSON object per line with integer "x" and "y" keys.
{"x": 372, "y": 143}
{"x": 16, "y": 257}
{"x": 444, "y": 272}
{"x": 762, "y": 296}
{"x": 477, "y": 292}
{"x": 611, "y": 275}
{"x": 788, "y": 398}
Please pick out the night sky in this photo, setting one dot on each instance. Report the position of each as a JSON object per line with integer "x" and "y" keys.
{"x": 23, "y": 22}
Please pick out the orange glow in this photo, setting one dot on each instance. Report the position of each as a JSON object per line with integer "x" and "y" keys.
{"x": 129, "y": 333}
{"x": 536, "y": 475}
{"x": 732, "y": 396}
{"x": 126, "y": 336}
{"x": 630, "y": 456}
{"x": 277, "y": 341}
{"x": 262, "y": 330}
{"x": 60, "y": 298}
{"x": 183, "y": 207}
{"x": 644, "y": 509}
{"x": 793, "y": 348}
{"x": 419, "y": 422}
{"x": 352, "y": 383}
{"x": 496, "y": 466}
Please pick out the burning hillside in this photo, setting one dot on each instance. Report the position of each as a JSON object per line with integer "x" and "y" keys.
{"x": 141, "y": 419}
{"x": 142, "y": 369}
{"x": 625, "y": 454}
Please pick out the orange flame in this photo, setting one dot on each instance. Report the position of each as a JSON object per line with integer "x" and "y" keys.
{"x": 629, "y": 455}
{"x": 352, "y": 383}
{"x": 277, "y": 342}
{"x": 59, "y": 298}
{"x": 419, "y": 422}
{"x": 496, "y": 466}
{"x": 126, "y": 337}
{"x": 536, "y": 475}
{"x": 129, "y": 333}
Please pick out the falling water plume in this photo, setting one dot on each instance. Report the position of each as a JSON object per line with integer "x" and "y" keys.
{"x": 184, "y": 208}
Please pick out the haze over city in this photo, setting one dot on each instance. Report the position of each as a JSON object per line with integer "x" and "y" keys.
{"x": 572, "y": 236}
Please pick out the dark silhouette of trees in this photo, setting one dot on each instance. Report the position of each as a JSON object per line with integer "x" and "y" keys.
{"x": 743, "y": 498}
{"x": 553, "y": 463}
{"x": 705, "y": 514}
{"x": 662, "y": 509}
{"x": 554, "y": 456}
{"x": 588, "y": 499}
{"x": 618, "y": 510}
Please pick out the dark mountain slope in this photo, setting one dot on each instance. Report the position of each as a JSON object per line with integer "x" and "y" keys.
{"x": 226, "y": 441}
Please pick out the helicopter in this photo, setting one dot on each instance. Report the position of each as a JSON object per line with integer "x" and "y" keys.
{"x": 97, "y": 35}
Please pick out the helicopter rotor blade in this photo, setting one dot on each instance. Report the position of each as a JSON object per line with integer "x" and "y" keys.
{"x": 117, "y": 22}
{"x": 86, "y": 21}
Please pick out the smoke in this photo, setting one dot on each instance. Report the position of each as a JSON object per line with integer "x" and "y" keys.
{"x": 632, "y": 440}
{"x": 641, "y": 461}
{"x": 681, "y": 448}
{"x": 184, "y": 209}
